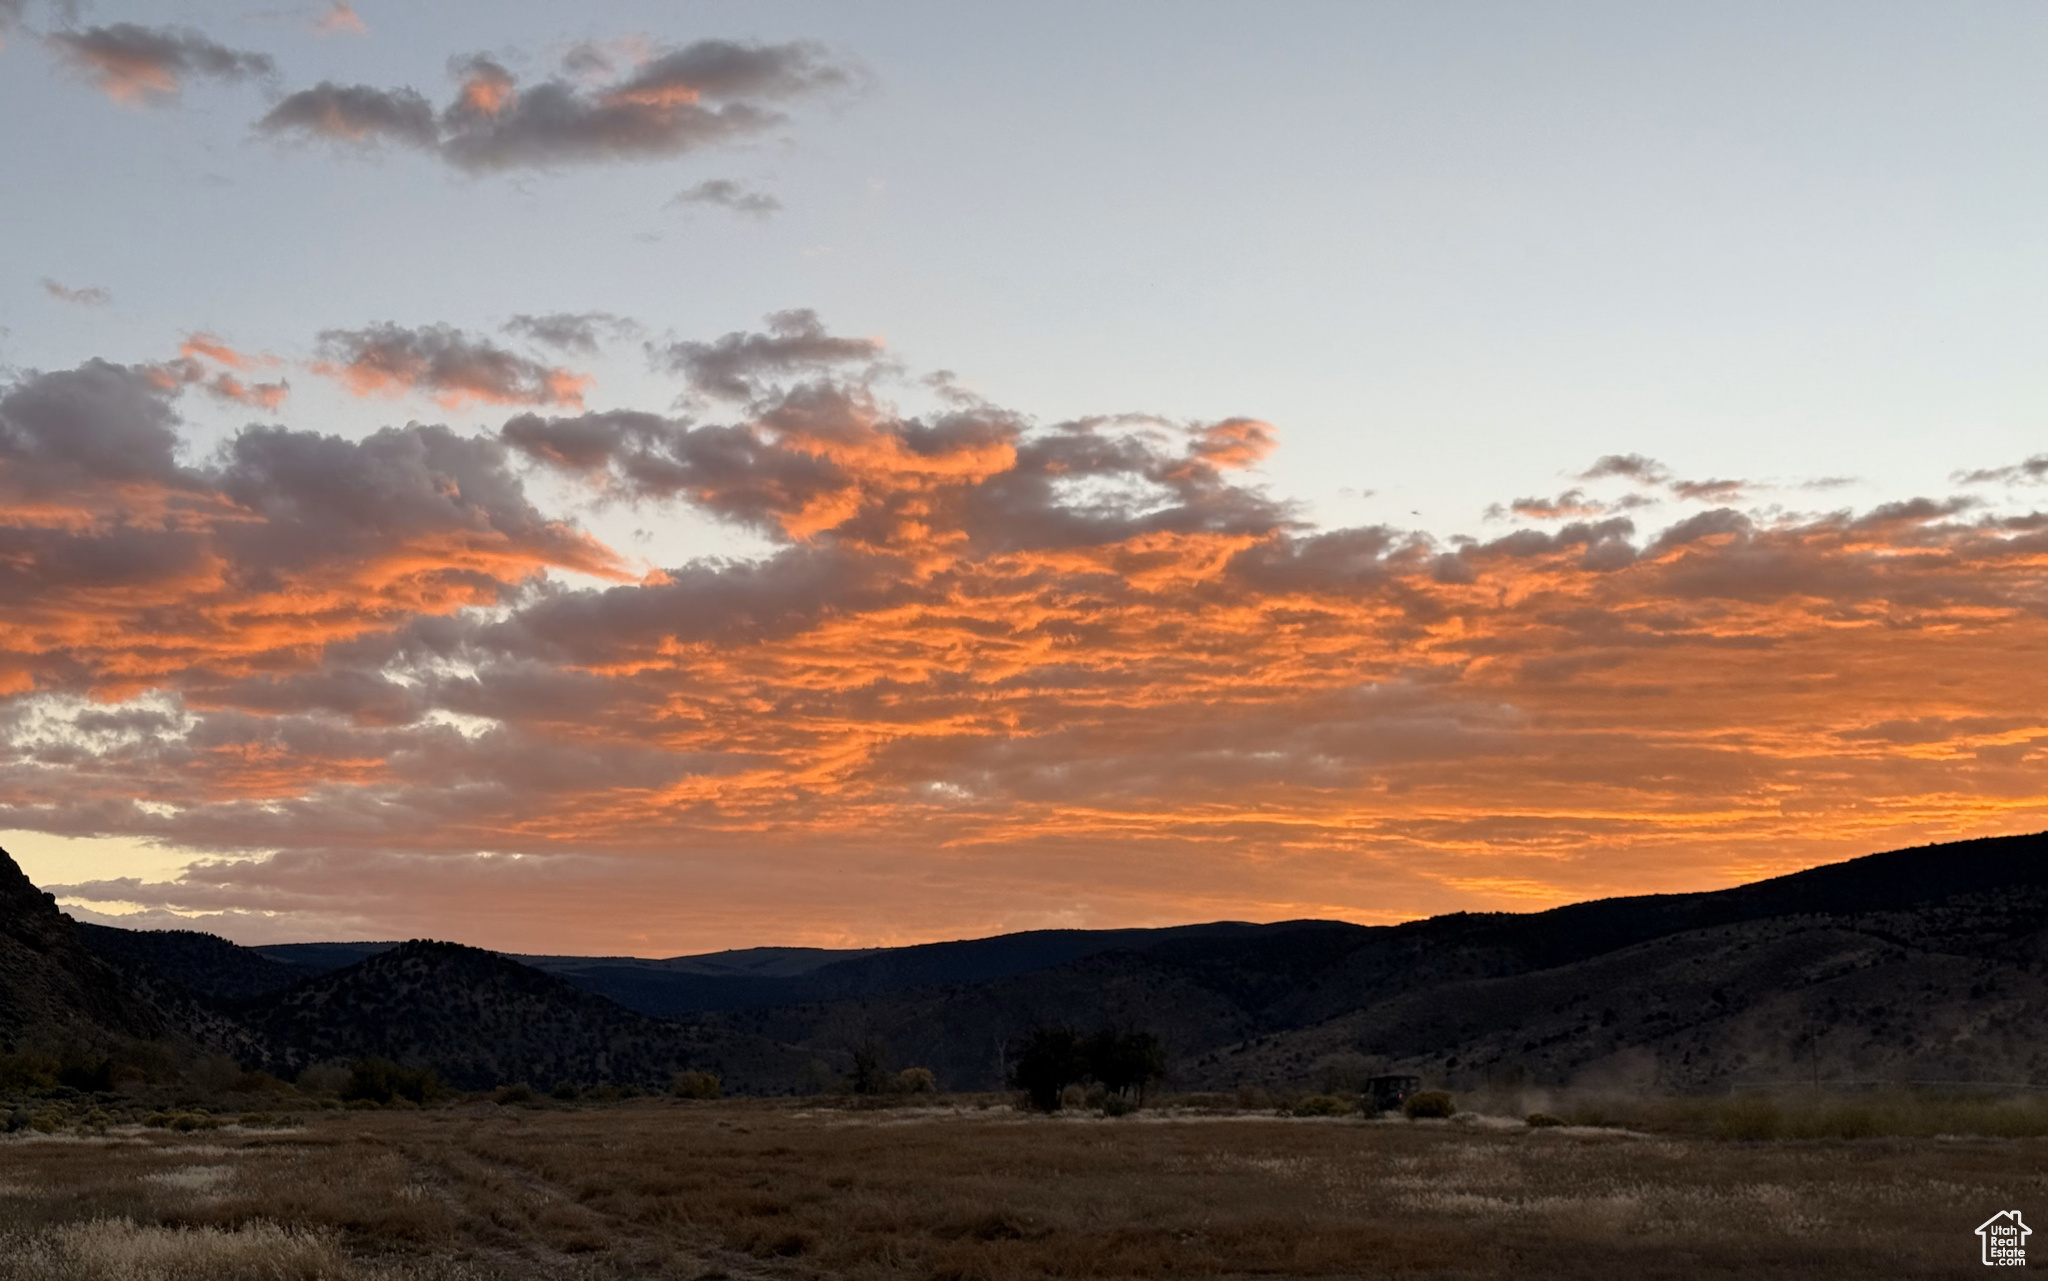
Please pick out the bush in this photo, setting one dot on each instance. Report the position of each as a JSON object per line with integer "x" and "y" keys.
{"x": 1118, "y": 1105}
{"x": 1321, "y": 1105}
{"x": 1543, "y": 1120}
{"x": 917, "y": 1080}
{"x": 696, "y": 1085}
{"x": 24, "y": 1073}
{"x": 507, "y": 1095}
{"x": 380, "y": 1081}
{"x": 1428, "y": 1103}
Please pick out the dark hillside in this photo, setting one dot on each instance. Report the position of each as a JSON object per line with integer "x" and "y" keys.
{"x": 1694, "y": 990}
{"x": 54, "y": 991}
{"x": 478, "y": 1019}
{"x": 1953, "y": 990}
{"x": 321, "y": 957}
{"x": 666, "y": 989}
{"x": 204, "y": 964}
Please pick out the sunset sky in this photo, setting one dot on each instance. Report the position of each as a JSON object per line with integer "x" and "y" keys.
{"x": 648, "y": 478}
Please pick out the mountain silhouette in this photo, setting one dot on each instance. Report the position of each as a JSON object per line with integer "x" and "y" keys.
{"x": 1918, "y": 964}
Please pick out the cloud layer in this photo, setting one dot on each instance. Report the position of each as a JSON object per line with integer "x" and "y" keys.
{"x": 990, "y": 673}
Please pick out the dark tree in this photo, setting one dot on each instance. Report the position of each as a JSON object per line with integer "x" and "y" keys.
{"x": 871, "y": 1074}
{"x": 1126, "y": 1062}
{"x": 1050, "y": 1060}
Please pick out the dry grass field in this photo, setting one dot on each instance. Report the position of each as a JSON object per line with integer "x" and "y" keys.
{"x": 742, "y": 1189}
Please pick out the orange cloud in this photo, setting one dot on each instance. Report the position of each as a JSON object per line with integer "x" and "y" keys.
{"x": 453, "y": 368}
{"x": 134, "y": 64}
{"x": 992, "y": 675}
{"x": 341, "y": 19}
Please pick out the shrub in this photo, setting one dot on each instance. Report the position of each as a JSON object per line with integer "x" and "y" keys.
{"x": 1428, "y": 1103}
{"x": 1118, "y": 1105}
{"x": 917, "y": 1080}
{"x": 22, "y": 1073}
{"x": 1543, "y": 1120}
{"x": 324, "y": 1078}
{"x": 379, "y": 1081}
{"x": 696, "y": 1085}
{"x": 1321, "y": 1105}
{"x": 93, "y": 1074}
{"x": 566, "y": 1092}
{"x": 506, "y": 1095}
{"x": 1747, "y": 1118}
{"x": 257, "y": 1083}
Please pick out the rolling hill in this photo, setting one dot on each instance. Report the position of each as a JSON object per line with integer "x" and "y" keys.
{"x": 1920, "y": 964}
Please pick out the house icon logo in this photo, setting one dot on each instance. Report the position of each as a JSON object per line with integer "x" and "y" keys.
{"x": 2005, "y": 1240}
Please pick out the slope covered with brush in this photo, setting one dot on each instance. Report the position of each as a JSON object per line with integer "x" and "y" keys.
{"x": 478, "y": 1019}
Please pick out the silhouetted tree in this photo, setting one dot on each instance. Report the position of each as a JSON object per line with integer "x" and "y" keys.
{"x": 1050, "y": 1060}
{"x": 1125, "y": 1062}
{"x": 871, "y": 1074}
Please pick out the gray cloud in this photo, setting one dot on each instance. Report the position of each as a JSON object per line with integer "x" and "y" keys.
{"x": 581, "y": 332}
{"x": 1634, "y": 467}
{"x": 356, "y": 115}
{"x": 727, "y": 194}
{"x": 86, "y": 296}
{"x": 1712, "y": 491}
{"x": 100, "y": 423}
{"x": 443, "y": 362}
{"x": 679, "y": 101}
{"x": 732, "y": 367}
{"x": 132, "y": 63}
{"x": 2031, "y": 471}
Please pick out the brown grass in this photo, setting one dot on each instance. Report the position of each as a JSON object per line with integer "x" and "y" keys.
{"x": 747, "y": 1188}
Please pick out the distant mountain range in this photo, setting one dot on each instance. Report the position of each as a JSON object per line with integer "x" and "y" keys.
{"x": 1920, "y": 964}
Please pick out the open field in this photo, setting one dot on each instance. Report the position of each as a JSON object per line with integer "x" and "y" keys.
{"x": 735, "y": 1189}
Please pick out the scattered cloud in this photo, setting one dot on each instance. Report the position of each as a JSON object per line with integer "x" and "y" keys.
{"x": 86, "y": 296}
{"x": 668, "y": 103}
{"x": 2031, "y": 471}
{"x": 1636, "y": 467}
{"x": 727, "y": 194}
{"x": 356, "y": 115}
{"x": 582, "y": 332}
{"x": 1708, "y": 491}
{"x": 733, "y": 367}
{"x": 451, "y": 367}
{"x": 341, "y": 20}
{"x": 224, "y": 385}
{"x": 1650, "y": 473}
{"x": 150, "y": 65}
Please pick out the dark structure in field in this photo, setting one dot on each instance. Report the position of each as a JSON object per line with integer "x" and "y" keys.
{"x": 1388, "y": 1093}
